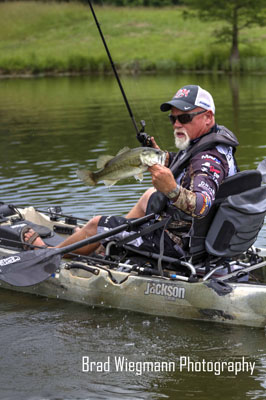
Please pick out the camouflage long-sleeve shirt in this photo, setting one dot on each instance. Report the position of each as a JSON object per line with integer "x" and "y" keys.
{"x": 200, "y": 181}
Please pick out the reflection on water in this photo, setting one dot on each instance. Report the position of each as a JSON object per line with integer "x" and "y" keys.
{"x": 49, "y": 128}
{"x": 52, "y": 126}
{"x": 43, "y": 355}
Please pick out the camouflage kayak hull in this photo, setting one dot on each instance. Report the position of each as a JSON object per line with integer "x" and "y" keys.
{"x": 205, "y": 300}
{"x": 234, "y": 303}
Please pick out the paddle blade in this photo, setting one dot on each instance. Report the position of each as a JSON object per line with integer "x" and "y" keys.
{"x": 29, "y": 267}
{"x": 262, "y": 168}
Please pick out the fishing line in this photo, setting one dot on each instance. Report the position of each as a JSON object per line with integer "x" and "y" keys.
{"x": 143, "y": 138}
{"x": 139, "y": 91}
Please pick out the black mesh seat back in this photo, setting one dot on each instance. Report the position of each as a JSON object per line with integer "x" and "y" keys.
{"x": 238, "y": 183}
{"x": 237, "y": 223}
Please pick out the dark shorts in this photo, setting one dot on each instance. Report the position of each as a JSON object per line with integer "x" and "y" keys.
{"x": 149, "y": 242}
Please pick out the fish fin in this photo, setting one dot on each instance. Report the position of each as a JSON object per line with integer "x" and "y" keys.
{"x": 109, "y": 182}
{"x": 103, "y": 160}
{"x": 124, "y": 150}
{"x": 139, "y": 177}
{"x": 86, "y": 176}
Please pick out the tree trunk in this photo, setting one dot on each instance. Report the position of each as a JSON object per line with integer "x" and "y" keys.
{"x": 234, "y": 57}
{"x": 234, "y": 86}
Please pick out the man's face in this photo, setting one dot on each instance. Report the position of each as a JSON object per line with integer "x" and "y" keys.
{"x": 199, "y": 125}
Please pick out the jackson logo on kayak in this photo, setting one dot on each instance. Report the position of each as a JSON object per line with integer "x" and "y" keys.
{"x": 171, "y": 292}
{"x": 9, "y": 260}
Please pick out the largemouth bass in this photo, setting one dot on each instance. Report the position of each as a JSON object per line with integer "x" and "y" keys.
{"x": 128, "y": 162}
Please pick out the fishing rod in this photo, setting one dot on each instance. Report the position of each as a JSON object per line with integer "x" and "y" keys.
{"x": 53, "y": 212}
{"x": 142, "y": 137}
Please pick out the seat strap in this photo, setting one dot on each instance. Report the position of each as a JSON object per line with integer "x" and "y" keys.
{"x": 163, "y": 223}
{"x": 159, "y": 264}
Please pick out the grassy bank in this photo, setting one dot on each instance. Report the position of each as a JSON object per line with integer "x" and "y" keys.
{"x": 62, "y": 37}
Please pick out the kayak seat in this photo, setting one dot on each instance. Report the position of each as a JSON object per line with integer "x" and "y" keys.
{"x": 229, "y": 229}
{"x": 234, "y": 220}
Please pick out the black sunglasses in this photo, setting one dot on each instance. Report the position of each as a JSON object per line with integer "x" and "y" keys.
{"x": 184, "y": 118}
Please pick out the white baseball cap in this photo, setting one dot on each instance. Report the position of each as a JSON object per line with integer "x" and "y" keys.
{"x": 189, "y": 97}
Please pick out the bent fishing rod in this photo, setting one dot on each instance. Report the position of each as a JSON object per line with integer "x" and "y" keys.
{"x": 142, "y": 137}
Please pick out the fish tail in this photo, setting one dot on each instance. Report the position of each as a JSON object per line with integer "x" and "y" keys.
{"x": 86, "y": 176}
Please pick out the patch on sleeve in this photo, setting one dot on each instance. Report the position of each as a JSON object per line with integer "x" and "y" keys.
{"x": 206, "y": 188}
{"x": 206, "y": 203}
{"x": 209, "y": 157}
{"x": 211, "y": 163}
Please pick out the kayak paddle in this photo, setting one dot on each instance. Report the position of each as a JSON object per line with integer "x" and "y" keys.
{"x": 33, "y": 266}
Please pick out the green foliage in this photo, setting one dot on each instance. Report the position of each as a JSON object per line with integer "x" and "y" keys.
{"x": 236, "y": 15}
{"x": 136, "y": 3}
{"x": 247, "y": 12}
{"x": 60, "y": 38}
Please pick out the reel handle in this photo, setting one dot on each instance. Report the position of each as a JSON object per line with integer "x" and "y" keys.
{"x": 143, "y": 137}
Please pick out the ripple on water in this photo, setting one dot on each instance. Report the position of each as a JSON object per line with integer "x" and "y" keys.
{"x": 51, "y": 127}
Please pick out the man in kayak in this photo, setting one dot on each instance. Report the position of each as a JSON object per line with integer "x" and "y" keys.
{"x": 186, "y": 186}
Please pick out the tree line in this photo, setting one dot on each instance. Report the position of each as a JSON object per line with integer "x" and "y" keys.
{"x": 120, "y": 3}
{"x": 232, "y": 16}
{"x": 145, "y": 3}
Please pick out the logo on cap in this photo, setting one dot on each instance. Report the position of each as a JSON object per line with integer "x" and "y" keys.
{"x": 182, "y": 93}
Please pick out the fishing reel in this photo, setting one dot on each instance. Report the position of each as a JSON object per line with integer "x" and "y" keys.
{"x": 143, "y": 137}
{"x": 53, "y": 213}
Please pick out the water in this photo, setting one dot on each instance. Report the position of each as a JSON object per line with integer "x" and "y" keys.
{"x": 49, "y": 128}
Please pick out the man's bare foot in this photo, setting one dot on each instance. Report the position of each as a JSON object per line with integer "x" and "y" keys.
{"x": 32, "y": 237}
